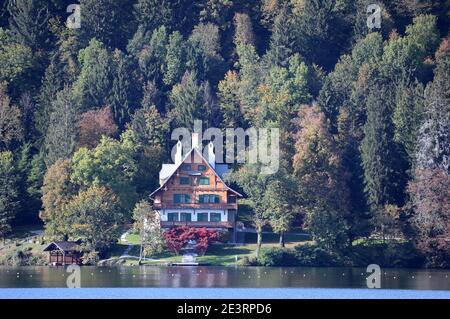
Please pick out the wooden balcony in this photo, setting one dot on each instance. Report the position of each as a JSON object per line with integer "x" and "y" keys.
{"x": 197, "y": 224}
{"x": 173, "y": 205}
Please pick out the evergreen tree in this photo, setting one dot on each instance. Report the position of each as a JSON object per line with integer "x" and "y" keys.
{"x": 187, "y": 100}
{"x": 204, "y": 56}
{"x": 152, "y": 14}
{"x": 320, "y": 31}
{"x": 29, "y": 23}
{"x": 35, "y": 180}
{"x": 281, "y": 41}
{"x": 408, "y": 115}
{"x": 109, "y": 21}
{"x": 123, "y": 98}
{"x": 229, "y": 101}
{"x": 11, "y": 129}
{"x": 8, "y": 192}
{"x": 175, "y": 63}
{"x": 152, "y": 56}
{"x": 15, "y": 58}
{"x": 384, "y": 172}
{"x": 60, "y": 139}
{"x": 51, "y": 84}
{"x": 93, "y": 86}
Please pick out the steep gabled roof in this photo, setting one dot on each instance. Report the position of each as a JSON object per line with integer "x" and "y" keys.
{"x": 170, "y": 170}
{"x": 63, "y": 246}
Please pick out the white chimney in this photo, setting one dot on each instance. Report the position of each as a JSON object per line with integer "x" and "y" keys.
{"x": 179, "y": 153}
{"x": 195, "y": 140}
{"x": 211, "y": 155}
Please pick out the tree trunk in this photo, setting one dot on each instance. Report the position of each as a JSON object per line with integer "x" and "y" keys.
{"x": 282, "y": 239}
{"x": 140, "y": 255}
{"x": 141, "y": 250}
{"x": 258, "y": 241}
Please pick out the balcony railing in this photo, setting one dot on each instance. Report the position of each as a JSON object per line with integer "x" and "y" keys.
{"x": 197, "y": 224}
{"x": 195, "y": 205}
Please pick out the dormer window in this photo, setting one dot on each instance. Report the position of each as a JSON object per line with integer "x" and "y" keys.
{"x": 184, "y": 180}
{"x": 181, "y": 198}
{"x": 186, "y": 167}
{"x": 202, "y": 168}
{"x": 209, "y": 198}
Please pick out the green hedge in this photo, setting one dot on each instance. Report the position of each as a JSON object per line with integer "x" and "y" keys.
{"x": 385, "y": 255}
{"x": 276, "y": 256}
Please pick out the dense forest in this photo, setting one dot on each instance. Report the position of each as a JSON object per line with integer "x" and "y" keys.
{"x": 86, "y": 113}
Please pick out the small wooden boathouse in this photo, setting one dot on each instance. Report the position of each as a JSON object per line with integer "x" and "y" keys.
{"x": 64, "y": 253}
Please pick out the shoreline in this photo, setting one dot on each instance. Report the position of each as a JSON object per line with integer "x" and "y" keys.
{"x": 219, "y": 293}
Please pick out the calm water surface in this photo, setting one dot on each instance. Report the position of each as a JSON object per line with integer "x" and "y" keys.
{"x": 223, "y": 277}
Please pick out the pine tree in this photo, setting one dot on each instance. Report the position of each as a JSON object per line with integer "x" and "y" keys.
{"x": 281, "y": 41}
{"x": 60, "y": 139}
{"x": 408, "y": 116}
{"x": 320, "y": 32}
{"x": 384, "y": 172}
{"x": 109, "y": 21}
{"x": 29, "y": 23}
{"x": 93, "y": 86}
{"x": 123, "y": 98}
{"x": 11, "y": 128}
{"x": 204, "y": 56}
{"x": 187, "y": 101}
{"x": 152, "y": 14}
{"x": 152, "y": 56}
{"x": 51, "y": 84}
{"x": 229, "y": 102}
{"x": 175, "y": 63}
{"x": 8, "y": 192}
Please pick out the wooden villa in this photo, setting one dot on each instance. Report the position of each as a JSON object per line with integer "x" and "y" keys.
{"x": 192, "y": 192}
{"x": 64, "y": 253}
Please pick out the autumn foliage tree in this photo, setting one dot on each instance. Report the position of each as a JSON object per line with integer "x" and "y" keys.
{"x": 322, "y": 191}
{"x": 430, "y": 192}
{"x": 93, "y": 125}
{"x": 178, "y": 237}
{"x": 57, "y": 190}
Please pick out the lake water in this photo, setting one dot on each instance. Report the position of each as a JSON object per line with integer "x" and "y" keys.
{"x": 303, "y": 282}
{"x": 223, "y": 277}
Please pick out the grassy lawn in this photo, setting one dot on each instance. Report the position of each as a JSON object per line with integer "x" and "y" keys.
{"x": 220, "y": 254}
{"x": 132, "y": 239}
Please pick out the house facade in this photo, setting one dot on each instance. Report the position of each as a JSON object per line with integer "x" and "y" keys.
{"x": 192, "y": 192}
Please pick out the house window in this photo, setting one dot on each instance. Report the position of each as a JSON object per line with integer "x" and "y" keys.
{"x": 214, "y": 217}
{"x": 209, "y": 198}
{"x": 184, "y": 180}
{"x": 185, "y": 217}
{"x": 202, "y": 217}
{"x": 181, "y": 198}
{"x": 186, "y": 167}
{"x": 172, "y": 217}
{"x": 202, "y": 168}
{"x": 204, "y": 181}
